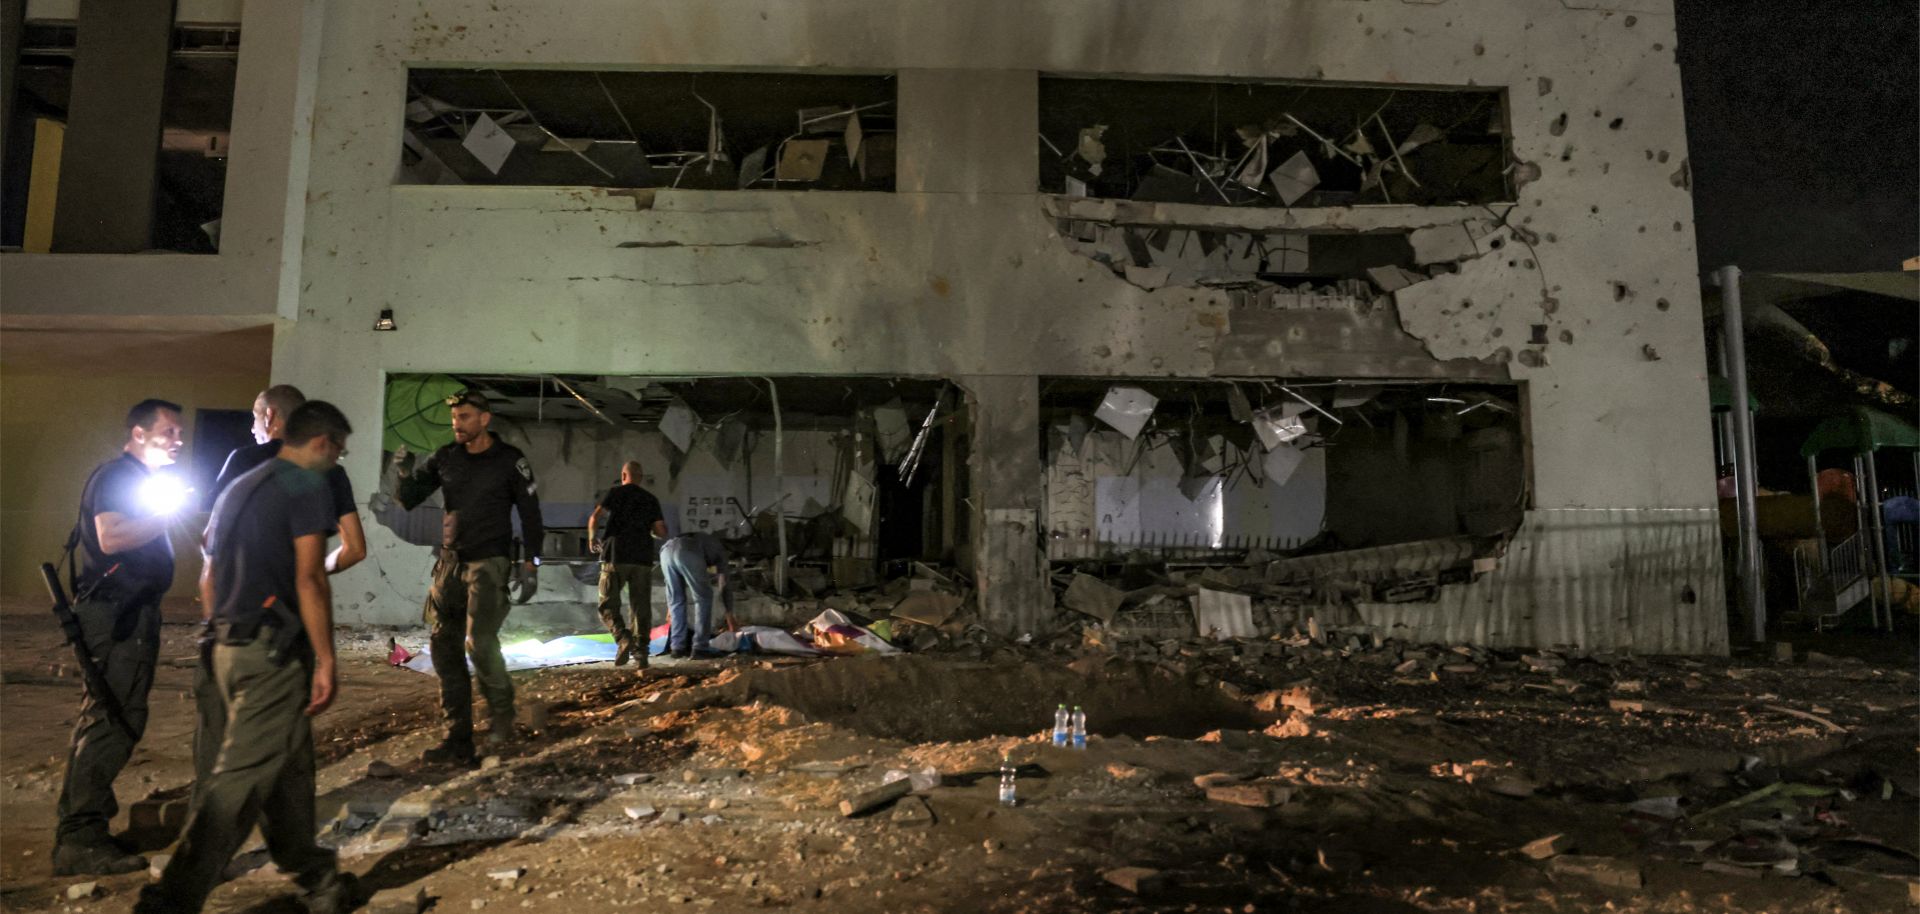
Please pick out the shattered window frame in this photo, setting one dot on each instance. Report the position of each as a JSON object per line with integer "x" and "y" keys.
{"x": 701, "y": 130}
{"x": 1273, "y": 143}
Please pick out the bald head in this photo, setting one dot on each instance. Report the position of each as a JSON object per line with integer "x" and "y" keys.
{"x": 271, "y": 410}
{"x": 630, "y": 473}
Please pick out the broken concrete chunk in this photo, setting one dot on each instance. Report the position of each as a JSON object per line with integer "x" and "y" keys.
{"x": 1223, "y": 616}
{"x": 1442, "y": 244}
{"x": 912, "y": 812}
{"x": 1608, "y": 871}
{"x": 81, "y": 890}
{"x": 381, "y": 769}
{"x": 1258, "y": 796}
{"x": 1139, "y": 880}
{"x": 157, "y": 864}
{"x": 1092, "y": 596}
{"x": 398, "y": 901}
{"x": 507, "y": 879}
{"x": 866, "y": 802}
{"x": 1214, "y": 779}
{"x": 1393, "y": 278}
{"x": 1549, "y": 846}
{"x": 672, "y": 815}
{"x": 628, "y": 780}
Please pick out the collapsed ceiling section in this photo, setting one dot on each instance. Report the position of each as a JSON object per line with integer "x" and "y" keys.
{"x": 1272, "y": 144}
{"x": 613, "y": 128}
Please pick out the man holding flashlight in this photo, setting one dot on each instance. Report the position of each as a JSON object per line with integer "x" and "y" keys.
{"x": 483, "y": 480}
{"x": 126, "y": 566}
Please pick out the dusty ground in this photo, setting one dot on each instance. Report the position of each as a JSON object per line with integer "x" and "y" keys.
{"x": 1411, "y": 785}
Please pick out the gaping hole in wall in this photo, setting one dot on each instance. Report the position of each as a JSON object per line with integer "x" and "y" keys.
{"x": 1272, "y": 144}
{"x": 840, "y": 492}
{"x": 619, "y": 128}
{"x": 195, "y": 119}
{"x": 1273, "y": 496}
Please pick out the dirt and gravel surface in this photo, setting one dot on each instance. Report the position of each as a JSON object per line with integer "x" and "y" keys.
{"x": 1270, "y": 775}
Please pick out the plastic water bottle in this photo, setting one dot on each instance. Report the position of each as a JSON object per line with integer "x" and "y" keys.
{"x": 1006, "y": 781}
{"x": 1060, "y": 719}
{"x": 1079, "y": 728}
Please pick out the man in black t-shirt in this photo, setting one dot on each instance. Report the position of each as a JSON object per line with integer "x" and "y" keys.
{"x": 125, "y": 567}
{"x": 484, "y": 481}
{"x": 270, "y": 412}
{"x": 626, "y": 549}
{"x": 273, "y": 664}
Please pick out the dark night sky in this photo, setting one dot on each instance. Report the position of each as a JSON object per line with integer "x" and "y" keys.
{"x": 1803, "y": 129}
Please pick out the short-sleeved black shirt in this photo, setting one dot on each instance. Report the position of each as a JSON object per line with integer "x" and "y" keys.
{"x": 115, "y": 489}
{"x": 631, "y": 514}
{"x": 250, "y": 537}
{"x": 246, "y": 458}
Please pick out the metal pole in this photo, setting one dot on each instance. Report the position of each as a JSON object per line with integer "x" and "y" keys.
{"x": 1862, "y": 530}
{"x": 1879, "y": 539}
{"x": 1819, "y": 522}
{"x": 779, "y": 485}
{"x": 1753, "y": 597}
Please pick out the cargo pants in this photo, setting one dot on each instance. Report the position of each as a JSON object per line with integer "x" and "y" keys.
{"x": 125, "y": 643}
{"x": 466, "y": 606}
{"x": 262, "y": 774}
{"x": 637, "y": 580}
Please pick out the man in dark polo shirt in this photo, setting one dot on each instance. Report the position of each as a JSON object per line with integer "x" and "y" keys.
{"x": 271, "y": 410}
{"x": 484, "y": 480}
{"x": 273, "y": 663}
{"x": 626, "y": 548}
{"x": 125, "y": 565}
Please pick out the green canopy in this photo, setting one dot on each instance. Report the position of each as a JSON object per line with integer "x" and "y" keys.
{"x": 1861, "y": 430}
{"x": 417, "y": 412}
{"x": 1720, "y": 391}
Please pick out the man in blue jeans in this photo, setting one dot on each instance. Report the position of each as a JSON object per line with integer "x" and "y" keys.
{"x": 686, "y": 560}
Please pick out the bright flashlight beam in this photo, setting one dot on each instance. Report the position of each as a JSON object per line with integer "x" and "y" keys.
{"x": 163, "y": 495}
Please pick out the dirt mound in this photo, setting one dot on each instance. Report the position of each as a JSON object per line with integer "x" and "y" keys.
{"x": 923, "y": 700}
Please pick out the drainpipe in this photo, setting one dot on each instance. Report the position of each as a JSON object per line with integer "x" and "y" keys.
{"x": 1753, "y": 597}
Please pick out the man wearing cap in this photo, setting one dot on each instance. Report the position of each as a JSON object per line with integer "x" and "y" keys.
{"x": 483, "y": 480}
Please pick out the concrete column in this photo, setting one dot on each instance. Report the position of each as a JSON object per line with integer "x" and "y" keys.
{"x": 968, "y": 132}
{"x": 112, "y": 148}
{"x": 1007, "y": 490}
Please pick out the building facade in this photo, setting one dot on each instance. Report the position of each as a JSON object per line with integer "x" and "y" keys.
{"x": 1569, "y": 280}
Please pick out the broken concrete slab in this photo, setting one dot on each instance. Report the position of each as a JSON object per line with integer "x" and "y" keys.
{"x": 1092, "y": 596}
{"x": 1256, "y": 795}
{"x": 1549, "y": 846}
{"x": 1612, "y": 872}
{"x": 1139, "y": 880}
{"x": 398, "y": 901}
{"x": 1442, "y": 244}
{"x": 1223, "y": 616}
{"x": 927, "y": 607}
{"x": 912, "y": 812}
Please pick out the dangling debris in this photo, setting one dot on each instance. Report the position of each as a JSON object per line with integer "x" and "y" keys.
{"x": 1127, "y": 410}
{"x": 1294, "y": 178}
{"x": 678, "y": 424}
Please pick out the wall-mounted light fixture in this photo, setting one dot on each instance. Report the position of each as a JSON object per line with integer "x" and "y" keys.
{"x": 385, "y": 321}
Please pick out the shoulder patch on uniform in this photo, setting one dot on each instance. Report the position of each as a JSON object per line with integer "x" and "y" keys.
{"x": 525, "y": 468}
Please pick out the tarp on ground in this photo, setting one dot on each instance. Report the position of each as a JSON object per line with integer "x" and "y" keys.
{"x": 533, "y": 654}
{"x": 1861, "y": 430}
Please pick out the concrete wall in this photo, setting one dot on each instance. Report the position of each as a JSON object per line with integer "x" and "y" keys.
{"x": 960, "y": 273}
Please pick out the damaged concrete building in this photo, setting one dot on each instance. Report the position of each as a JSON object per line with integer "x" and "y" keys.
{"x": 1357, "y": 313}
